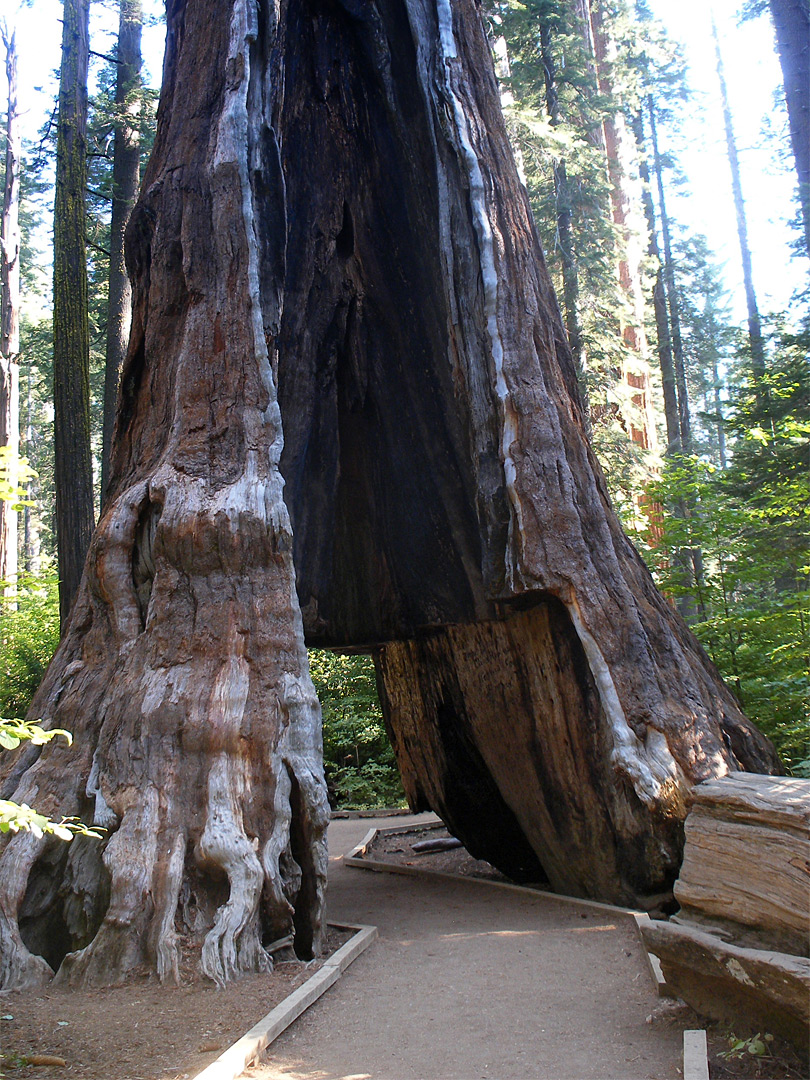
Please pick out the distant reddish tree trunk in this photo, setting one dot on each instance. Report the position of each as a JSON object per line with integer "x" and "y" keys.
{"x": 626, "y": 201}
{"x": 332, "y": 192}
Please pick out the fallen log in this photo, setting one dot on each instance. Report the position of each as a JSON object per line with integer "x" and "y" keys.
{"x": 769, "y": 991}
{"x": 746, "y": 860}
{"x": 440, "y": 843}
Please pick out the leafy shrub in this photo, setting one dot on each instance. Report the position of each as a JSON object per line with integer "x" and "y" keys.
{"x": 751, "y": 524}
{"x": 29, "y": 634}
{"x": 361, "y": 772}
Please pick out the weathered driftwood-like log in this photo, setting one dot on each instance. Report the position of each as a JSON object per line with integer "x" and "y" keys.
{"x": 183, "y": 672}
{"x": 769, "y": 991}
{"x": 747, "y": 859}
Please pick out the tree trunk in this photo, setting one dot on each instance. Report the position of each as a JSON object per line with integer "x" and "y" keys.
{"x": 791, "y": 19}
{"x": 626, "y": 201}
{"x": 32, "y": 547}
{"x": 126, "y": 175}
{"x": 448, "y": 513}
{"x": 684, "y": 419}
{"x": 73, "y": 467}
{"x": 663, "y": 336}
{"x": 183, "y": 672}
{"x": 754, "y": 323}
{"x": 565, "y": 235}
{"x": 10, "y": 313}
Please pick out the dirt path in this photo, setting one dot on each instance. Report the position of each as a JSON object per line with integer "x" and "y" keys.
{"x": 469, "y": 982}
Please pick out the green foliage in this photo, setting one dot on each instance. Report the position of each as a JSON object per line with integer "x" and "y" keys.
{"x": 361, "y": 771}
{"x": 14, "y": 473}
{"x": 751, "y": 523}
{"x": 537, "y": 31}
{"x": 756, "y": 1046}
{"x": 16, "y": 817}
{"x": 29, "y": 635}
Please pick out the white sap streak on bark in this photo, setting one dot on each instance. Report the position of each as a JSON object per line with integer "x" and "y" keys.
{"x": 648, "y": 765}
{"x": 130, "y": 857}
{"x": 489, "y": 277}
{"x": 103, "y": 815}
{"x": 114, "y": 565}
{"x": 232, "y": 149}
{"x": 282, "y": 889}
{"x": 154, "y": 683}
{"x": 260, "y": 489}
{"x": 224, "y": 843}
{"x": 298, "y": 755}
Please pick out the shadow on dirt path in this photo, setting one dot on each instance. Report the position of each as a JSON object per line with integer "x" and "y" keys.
{"x": 467, "y": 981}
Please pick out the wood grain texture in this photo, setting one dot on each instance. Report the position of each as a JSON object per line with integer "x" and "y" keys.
{"x": 439, "y": 477}
{"x": 766, "y": 990}
{"x": 183, "y": 673}
{"x": 747, "y": 857}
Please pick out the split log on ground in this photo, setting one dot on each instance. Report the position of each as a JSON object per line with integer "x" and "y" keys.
{"x": 183, "y": 672}
{"x": 747, "y": 858}
{"x": 350, "y": 160}
{"x": 769, "y": 991}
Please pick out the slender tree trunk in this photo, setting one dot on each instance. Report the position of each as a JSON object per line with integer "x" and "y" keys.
{"x": 663, "y": 336}
{"x": 754, "y": 323}
{"x": 448, "y": 514}
{"x": 126, "y": 175}
{"x": 688, "y": 560}
{"x": 565, "y": 232}
{"x": 73, "y": 468}
{"x": 791, "y": 19}
{"x": 33, "y": 509}
{"x": 718, "y": 412}
{"x": 10, "y": 313}
{"x": 684, "y": 418}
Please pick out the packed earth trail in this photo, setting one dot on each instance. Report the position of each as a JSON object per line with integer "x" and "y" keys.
{"x": 469, "y": 981}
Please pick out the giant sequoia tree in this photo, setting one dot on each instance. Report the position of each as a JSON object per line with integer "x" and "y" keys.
{"x": 332, "y": 233}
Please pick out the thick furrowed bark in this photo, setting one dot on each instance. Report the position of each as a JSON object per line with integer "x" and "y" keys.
{"x": 448, "y": 513}
{"x": 437, "y": 382}
{"x": 183, "y": 674}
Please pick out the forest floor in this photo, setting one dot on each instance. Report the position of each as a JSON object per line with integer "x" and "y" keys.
{"x": 464, "y": 982}
{"x": 468, "y": 982}
{"x": 140, "y": 1031}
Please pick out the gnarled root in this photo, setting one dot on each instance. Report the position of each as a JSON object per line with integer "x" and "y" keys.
{"x": 19, "y": 968}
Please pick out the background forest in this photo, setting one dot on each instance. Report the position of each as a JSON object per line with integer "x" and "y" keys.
{"x": 701, "y": 419}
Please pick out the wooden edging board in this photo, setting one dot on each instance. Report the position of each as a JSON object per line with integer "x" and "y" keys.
{"x": 695, "y": 1055}
{"x": 357, "y": 858}
{"x": 237, "y": 1057}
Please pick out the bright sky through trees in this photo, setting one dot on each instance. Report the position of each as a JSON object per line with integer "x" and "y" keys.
{"x": 755, "y": 92}
{"x": 704, "y": 203}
